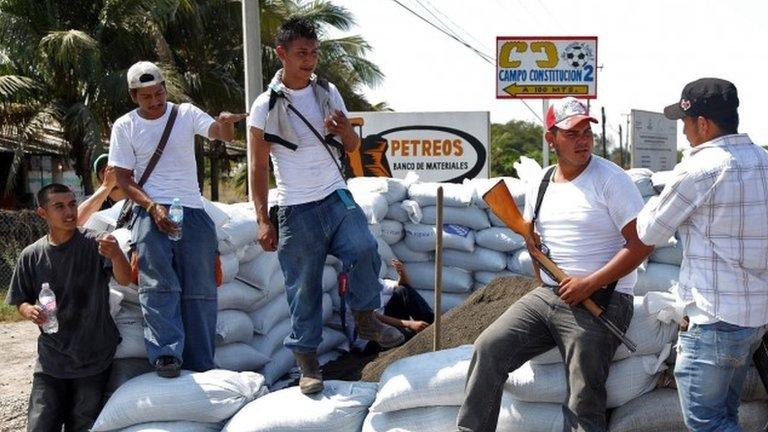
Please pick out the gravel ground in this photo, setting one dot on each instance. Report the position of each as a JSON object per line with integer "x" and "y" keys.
{"x": 18, "y": 349}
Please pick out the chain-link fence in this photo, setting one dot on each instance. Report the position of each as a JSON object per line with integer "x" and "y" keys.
{"x": 17, "y": 230}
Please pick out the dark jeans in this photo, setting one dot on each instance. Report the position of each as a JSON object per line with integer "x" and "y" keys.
{"x": 407, "y": 304}
{"x": 74, "y": 403}
{"x": 532, "y": 325}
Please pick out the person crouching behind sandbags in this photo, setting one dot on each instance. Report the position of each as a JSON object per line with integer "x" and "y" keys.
{"x": 78, "y": 337}
{"x": 587, "y": 220}
{"x": 317, "y": 215}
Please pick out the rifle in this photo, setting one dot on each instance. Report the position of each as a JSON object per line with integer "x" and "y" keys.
{"x": 503, "y": 205}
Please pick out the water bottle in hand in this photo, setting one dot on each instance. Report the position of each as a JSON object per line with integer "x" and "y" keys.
{"x": 47, "y": 301}
{"x": 176, "y": 215}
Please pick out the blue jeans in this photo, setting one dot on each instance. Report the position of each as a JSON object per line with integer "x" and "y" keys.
{"x": 711, "y": 366}
{"x": 177, "y": 288}
{"x": 309, "y": 232}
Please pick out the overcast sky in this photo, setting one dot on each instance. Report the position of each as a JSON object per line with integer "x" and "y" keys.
{"x": 648, "y": 49}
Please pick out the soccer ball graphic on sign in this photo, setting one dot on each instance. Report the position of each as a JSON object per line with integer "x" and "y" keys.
{"x": 577, "y": 55}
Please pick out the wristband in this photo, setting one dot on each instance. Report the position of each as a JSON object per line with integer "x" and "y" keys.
{"x": 151, "y": 206}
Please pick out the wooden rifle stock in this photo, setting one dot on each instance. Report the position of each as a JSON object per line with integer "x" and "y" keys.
{"x": 503, "y": 206}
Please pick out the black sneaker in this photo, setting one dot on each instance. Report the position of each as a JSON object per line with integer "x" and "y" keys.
{"x": 168, "y": 366}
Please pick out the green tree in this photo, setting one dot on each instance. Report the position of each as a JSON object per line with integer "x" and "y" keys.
{"x": 511, "y": 140}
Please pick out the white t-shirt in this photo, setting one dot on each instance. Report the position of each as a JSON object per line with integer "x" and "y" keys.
{"x": 581, "y": 220}
{"x": 307, "y": 174}
{"x": 134, "y": 140}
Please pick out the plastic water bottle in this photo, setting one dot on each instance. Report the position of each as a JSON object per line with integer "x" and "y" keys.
{"x": 47, "y": 301}
{"x": 176, "y": 215}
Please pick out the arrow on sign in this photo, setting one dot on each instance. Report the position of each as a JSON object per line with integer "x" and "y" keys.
{"x": 525, "y": 90}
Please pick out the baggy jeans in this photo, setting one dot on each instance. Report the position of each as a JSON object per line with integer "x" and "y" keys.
{"x": 533, "y": 325}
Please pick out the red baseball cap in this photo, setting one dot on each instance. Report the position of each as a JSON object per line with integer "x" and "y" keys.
{"x": 566, "y": 113}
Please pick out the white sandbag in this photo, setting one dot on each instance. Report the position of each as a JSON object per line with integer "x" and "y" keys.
{"x": 429, "y": 379}
{"x": 375, "y": 230}
{"x": 374, "y": 206}
{"x": 233, "y": 326}
{"x": 397, "y": 189}
{"x": 132, "y": 345}
{"x": 115, "y": 298}
{"x": 396, "y": 212}
{"x": 340, "y": 407}
{"x": 368, "y": 185}
{"x": 179, "y": 426}
{"x": 238, "y": 232}
{"x": 448, "y": 300}
{"x": 413, "y": 210}
{"x": 249, "y": 252}
{"x": 627, "y": 379}
{"x": 480, "y": 259}
{"x": 454, "y": 195}
{"x": 672, "y": 255}
{"x": 520, "y": 262}
{"x": 499, "y": 239}
{"x": 206, "y": 397}
{"x": 332, "y": 339}
{"x": 239, "y": 357}
{"x": 659, "y": 411}
{"x": 642, "y": 179}
{"x": 268, "y": 344}
{"x": 280, "y": 364}
{"x": 123, "y": 237}
{"x": 216, "y": 211}
{"x": 406, "y": 254}
{"x": 656, "y": 277}
{"x": 238, "y": 295}
{"x": 130, "y": 292}
{"x": 330, "y": 278}
{"x": 425, "y": 419}
{"x": 421, "y": 238}
{"x": 455, "y": 280}
{"x": 517, "y": 188}
{"x": 259, "y": 271}
{"x": 267, "y": 317}
{"x": 471, "y": 217}
{"x": 105, "y": 220}
{"x": 659, "y": 179}
{"x": 229, "y": 267}
{"x": 527, "y": 169}
{"x": 484, "y": 277}
{"x": 651, "y": 336}
{"x": 129, "y": 313}
{"x": 517, "y": 416}
{"x": 392, "y": 231}
{"x": 385, "y": 252}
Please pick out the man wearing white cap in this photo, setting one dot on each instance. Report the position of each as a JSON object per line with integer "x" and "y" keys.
{"x": 177, "y": 288}
{"x": 587, "y": 220}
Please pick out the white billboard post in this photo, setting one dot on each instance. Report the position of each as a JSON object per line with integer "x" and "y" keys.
{"x": 438, "y": 146}
{"x": 546, "y": 67}
{"x": 652, "y": 141}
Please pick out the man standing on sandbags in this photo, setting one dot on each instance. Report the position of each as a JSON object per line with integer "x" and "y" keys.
{"x": 295, "y": 122}
{"x": 61, "y": 283}
{"x": 716, "y": 199}
{"x": 177, "y": 287}
{"x": 584, "y": 211}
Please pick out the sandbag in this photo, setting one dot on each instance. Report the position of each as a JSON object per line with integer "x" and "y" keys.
{"x": 375, "y": 230}
{"x": 233, "y": 326}
{"x": 206, "y": 397}
{"x": 229, "y": 267}
{"x": 627, "y": 379}
{"x": 239, "y": 357}
{"x": 180, "y": 426}
{"x": 271, "y": 342}
{"x": 265, "y": 318}
{"x": 330, "y": 278}
{"x": 260, "y": 271}
{"x": 649, "y": 334}
{"x": 520, "y": 262}
{"x": 123, "y": 370}
{"x": 471, "y": 217}
{"x": 396, "y": 212}
{"x": 392, "y": 231}
{"x": 659, "y": 179}
{"x": 238, "y": 295}
{"x": 340, "y": 407}
{"x": 659, "y": 411}
{"x": 454, "y": 195}
{"x": 406, "y": 254}
{"x": 429, "y": 379}
{"x": 448, "y": 300}
{"x": 279, "y": 364}
{"x": 132, "y": 344}
{"x": 413, "y": 210}
{"x": 656, "y": 277}
{"x": 421, "y": 238}
{"x": 672, "y": 255}
{"x": 130, "y": 292}
{"x": 216, "y": 211}
{"x": 455, "y": 280}
{"x": 517, "y": 188}
{"x": 238, "y": 232}
{"x": 249, "y": 252}
{"x": 642, "y": 179}
{"x": 363, "y": 185}
{"x": 373, "y": 205}
{"x": 484, "y": 277}
{"x": 424, "y": 419}
{"x": 499, "y": 239}
{"x": 385, "y": 252}
{"x": 480, "y": 259}
{"x": 517, "y": 416}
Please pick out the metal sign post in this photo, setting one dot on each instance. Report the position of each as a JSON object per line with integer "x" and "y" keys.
{"x": 438, "y": 268}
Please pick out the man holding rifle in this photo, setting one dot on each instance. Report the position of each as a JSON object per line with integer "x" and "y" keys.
{"x": 716, "y": 199}
{"x": 586, "y": 219}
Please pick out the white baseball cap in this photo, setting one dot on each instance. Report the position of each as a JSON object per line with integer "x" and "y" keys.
{"x": 144, "y": 74}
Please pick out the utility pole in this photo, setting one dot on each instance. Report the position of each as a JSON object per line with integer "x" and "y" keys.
{"x": 252, "y": 61}
{"x": 605, "y": 151}
{"x": 626, "y": 137}
{"x": 621, "y": 148}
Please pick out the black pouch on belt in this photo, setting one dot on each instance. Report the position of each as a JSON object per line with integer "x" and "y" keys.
{"x": 273, "y": 220}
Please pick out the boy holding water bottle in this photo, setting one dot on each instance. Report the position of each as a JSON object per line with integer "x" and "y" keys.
{"x": 61, "y": 283}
